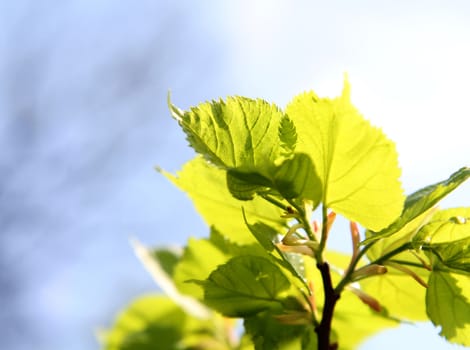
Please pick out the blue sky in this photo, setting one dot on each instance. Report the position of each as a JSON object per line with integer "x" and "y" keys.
{"x": 83, "y": 121}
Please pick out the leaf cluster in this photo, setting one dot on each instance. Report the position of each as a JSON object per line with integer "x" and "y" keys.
{"x": 261, "y": 174}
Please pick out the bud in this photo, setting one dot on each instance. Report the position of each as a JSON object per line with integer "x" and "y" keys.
{"x": 355, "y": 238}
{"x": 290, "y": 213}
{"x": 368, "y": 271}
{"x": 330, "y": 220}
{"x": 294, "y": 318}
{"x": 300, "y": 249}
{"x": 291, "y": 237}
{"x": 366, "y": 299}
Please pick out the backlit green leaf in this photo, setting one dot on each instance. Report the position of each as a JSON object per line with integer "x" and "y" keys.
{"x": 454, "y": 255}
{"x": 199, "y": 259}
{"x": 356, "y": 163}
{"x": 404, "y": 235}
{"x": 297, "y": 177}
{"x": 287, "y": 136}
{"x": 294, "y": 178}
{"x": 448, "y": 305}
{"x": 244, "y": 286}
{"x": 240, "y": 134}
{"x": 422, "y": 201}
{"x": 446, "y": 226}
{"x": 202, "y": 256}
{"x": 231, "y": 248}
{"x": 294, "y": 263}
{"x": 252, "y": 140}
{"x": 264, "y": 234}
{"x": 206, "y": 186}
{"x": 245, "y": 187}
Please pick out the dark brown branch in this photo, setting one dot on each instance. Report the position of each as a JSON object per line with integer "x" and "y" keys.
{"x": 323, "y": 330}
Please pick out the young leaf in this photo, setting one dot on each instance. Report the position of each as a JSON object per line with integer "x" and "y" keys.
{"x": 422, "y": 201}
{"x": 446, "y": 226}
{"x": 287, "y": 136}
{"x": 294, "y": 178}
{"x": 250, "y": 139}
{"x": 206, "y": 186}
{"x": 240, "y": 134}
{"x": 243, "y": 186}
{"x": 297, "y": 177}
{"x": 292, "y": 262}
{"x": 264, "y": 234}
{"x": 448, "y": 305}
{"x": 244, "y": 286}
{"x": 356, "y": 163}
{"x": 403, "y": 236}
{"x": 454, "y": 255}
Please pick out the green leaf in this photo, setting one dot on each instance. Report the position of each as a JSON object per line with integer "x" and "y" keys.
{"x": 287, "y": 136}
{"x": 199, "y": 259}
{"x": 206, "y": 186}
{"x": 246, "y": 343}
{"x": 155, "y": 321}
{"x": 202, "y": 256}
{"x": 294, "y": 178}
{"x": 245, "y": 187}
{"x": 240, "y": 134}
{"x": 231, "y": 249}
{"x": 422, "y": 201}
{"x": 454, "y": 255}
{"x": 244, "y": 286}
{"x": 269, "y": 334}
{"x": 448, "y": 305}
{"x": 250, "y": 139}
{"x": 297, "y": 177}
{"x": 356, "y": 163}
{"x": 133, "y": 328}
{"x": 292, "y": 262}
{"x": 445, "y": 226}
{"x": 264, "y": 234}
{"x": 404, "y": 236}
